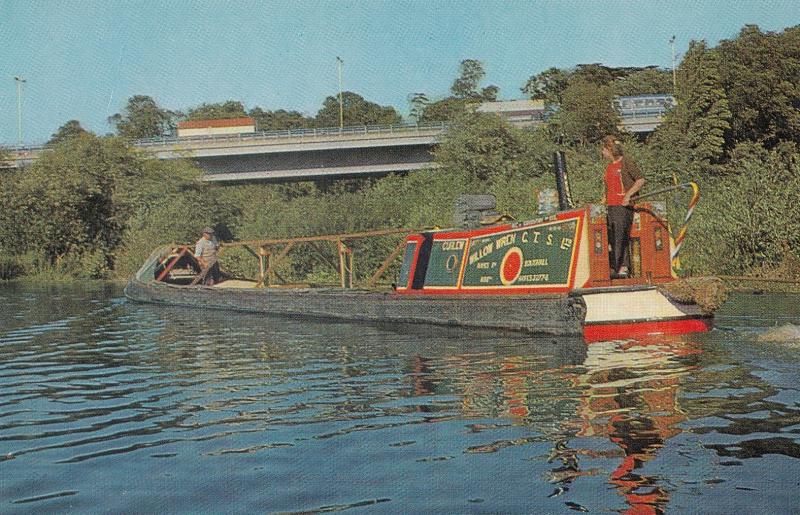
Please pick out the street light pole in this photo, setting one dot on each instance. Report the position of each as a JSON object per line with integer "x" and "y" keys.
{"x": 19, "y": 80}
{"x": 341, "y": 101}
{"x": 674, "y": 78}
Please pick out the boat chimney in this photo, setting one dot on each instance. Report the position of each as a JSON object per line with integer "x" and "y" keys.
{"x": 562, "y": 181}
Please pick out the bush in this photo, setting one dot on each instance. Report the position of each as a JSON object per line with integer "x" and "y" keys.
{"x": 10, "y": 268}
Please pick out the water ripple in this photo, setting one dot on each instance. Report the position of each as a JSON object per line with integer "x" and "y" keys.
{"x": 300, "y": 417}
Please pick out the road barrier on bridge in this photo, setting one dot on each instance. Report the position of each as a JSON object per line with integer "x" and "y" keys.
{"x": 409, "y": 128}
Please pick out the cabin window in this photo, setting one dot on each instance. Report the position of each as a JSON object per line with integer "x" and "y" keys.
{"x": 423, "y": 256}
{"x": 405, "y": 269}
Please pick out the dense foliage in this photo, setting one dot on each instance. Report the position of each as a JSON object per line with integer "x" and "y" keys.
{"x": 143, "y": 118}
{"x": 356, "y": 110}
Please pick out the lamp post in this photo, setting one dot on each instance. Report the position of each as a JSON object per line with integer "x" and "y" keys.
{"x": 674, "y": 79}
{"x": 19, "y": 80}
{"x": 341, "y": 101}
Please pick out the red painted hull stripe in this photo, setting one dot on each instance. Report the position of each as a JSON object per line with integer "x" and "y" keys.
{"x": 600, "y": 332}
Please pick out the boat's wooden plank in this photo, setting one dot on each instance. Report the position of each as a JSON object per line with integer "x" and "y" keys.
{"x": 388, "y": 261}
{"x": 172, "y": 263}
{"x": 326, "y": 237}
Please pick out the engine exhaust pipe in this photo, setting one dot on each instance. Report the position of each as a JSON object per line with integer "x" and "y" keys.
{"x": 562, "y": 181}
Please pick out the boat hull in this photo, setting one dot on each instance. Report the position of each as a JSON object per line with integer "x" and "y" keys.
{"x": 635, "y": 312}
{"x": 595, "y": 316}
{"x": 542, "y": 314}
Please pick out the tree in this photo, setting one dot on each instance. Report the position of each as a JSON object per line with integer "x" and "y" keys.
{"x": 418, "y": 102}
{"x": 597, "y": 74}
{"x": 444, "y": 110}
{"x": 699, "y": 123}
{"x": 489, "y": 93}
{"x": 761, "y": 78}
{"x": 279, "y": 120}
{"x": 471, "y": 73}
{"x": 357, "y": 111}
{"x": 219, "y": 110}
{"x": 548, "y": 85}
{"x": 587, "y": 112}
{"x": 143, "y": 118}
{"x": 485, "y": 147}
{"x": 465, "y": 92}
{"x": 649, "y": 81}
{"x": 71, "y": 129}
{"x": 76, "y": 201}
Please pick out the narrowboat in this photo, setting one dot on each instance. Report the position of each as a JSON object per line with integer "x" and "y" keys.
{"x": 549, "y": 275}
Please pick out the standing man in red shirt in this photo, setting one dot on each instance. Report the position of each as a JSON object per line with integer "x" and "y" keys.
{"x": 623, "y": 180}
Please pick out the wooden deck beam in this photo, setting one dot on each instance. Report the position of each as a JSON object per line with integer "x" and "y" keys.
{"x": 172, "y": 263}
{"x": 388, "y": 261}
{"x": 327, "y": 237}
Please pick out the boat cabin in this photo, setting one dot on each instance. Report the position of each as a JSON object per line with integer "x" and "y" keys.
{"x": 556, "y": 254}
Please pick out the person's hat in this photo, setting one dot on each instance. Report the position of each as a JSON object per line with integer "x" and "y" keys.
{"x": 208, "y": 230}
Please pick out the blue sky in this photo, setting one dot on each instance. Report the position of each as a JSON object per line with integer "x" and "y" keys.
{"x": 84, "y": 58}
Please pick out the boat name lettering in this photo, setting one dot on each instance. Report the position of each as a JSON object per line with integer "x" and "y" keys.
{"x": 525, "y": 237}
{"x": 534, "y": 278}
{"x": 453, "y": 245}
{"x": 486, "y": 249}
{"x": 536, "y": 262}
{"x": 505, "y": 241}
{"x": 485, "y": 246}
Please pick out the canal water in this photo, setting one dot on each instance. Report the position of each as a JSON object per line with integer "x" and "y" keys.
{"x": 107, "y": 406}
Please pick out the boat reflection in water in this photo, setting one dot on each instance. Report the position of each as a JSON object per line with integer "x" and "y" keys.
{"x": 624, "y": 391}
{"x": 639, "y": 412}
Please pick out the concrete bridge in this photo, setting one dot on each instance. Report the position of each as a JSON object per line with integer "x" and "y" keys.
{"x": 640, "y": 121}
{"x": 305, "y": 154}
{"x": 298, "y": 154}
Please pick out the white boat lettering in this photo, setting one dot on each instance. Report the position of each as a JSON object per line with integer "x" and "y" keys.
{"x": 453, "y": 245}
{"x": 536, "y": 262}
{"x": 505, "y": 241}
{"x": 483, "y": 251}
{"x": 533, "y": 278}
